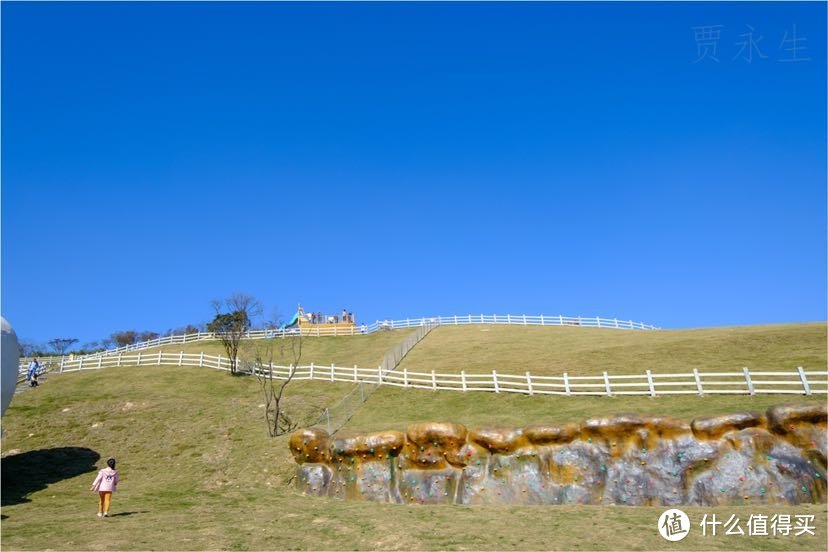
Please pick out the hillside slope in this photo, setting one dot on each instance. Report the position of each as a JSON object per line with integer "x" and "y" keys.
{"x": 200, "y": 473}
{"x": 552, "y": 350}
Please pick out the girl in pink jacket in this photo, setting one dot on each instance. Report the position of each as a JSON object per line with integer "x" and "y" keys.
{"x": 106, "y": 483}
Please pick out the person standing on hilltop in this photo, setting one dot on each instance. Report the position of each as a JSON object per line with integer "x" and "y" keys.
{"x": 106, "y": 483}
{"x": 31, "y": 375}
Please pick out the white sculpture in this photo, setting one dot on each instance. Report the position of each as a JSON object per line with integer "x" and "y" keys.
{"x": 9, "y": 364}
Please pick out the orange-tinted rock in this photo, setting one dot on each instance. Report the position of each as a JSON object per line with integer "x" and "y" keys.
{"x": 434, "y": 444}
{"x": 498, "y": 440}
{"x": 623, "y": 459}
{"x": 368, "y": 446}
{"x": 310, "y": 445}
{"x": 781, "y": 418}
{"x": 713, "y": 427}
{"x": 550, "y": 434}
{"x": 623, "y": 425}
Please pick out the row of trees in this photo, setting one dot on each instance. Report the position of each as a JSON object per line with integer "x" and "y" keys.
{"x": 63, "y": 345}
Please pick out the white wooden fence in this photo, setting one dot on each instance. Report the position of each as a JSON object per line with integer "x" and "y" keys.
{"x": 323, "y": 330}
{"x": 744, "y": 382}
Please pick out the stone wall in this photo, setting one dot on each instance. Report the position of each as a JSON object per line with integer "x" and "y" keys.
{"x": 773, "y": 458}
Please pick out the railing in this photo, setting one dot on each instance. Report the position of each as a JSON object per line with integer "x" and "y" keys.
{"x": 744, "y": 382}
{"x": 23, "y": 371}
{"x": 335, "y": 417}
{"x": 323, "y": 330}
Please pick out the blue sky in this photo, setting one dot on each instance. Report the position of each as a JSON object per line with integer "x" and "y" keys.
{"x": 411, "y": 159}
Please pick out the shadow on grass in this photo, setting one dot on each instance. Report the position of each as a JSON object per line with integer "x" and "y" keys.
{"x": 25, "y": 473}
{"x": 128, "y": 513}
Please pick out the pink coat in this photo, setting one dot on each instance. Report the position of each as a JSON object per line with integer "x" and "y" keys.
{"x": 107, "y": 480}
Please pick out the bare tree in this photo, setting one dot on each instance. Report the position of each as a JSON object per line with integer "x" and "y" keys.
{"x": 30, "y": 349}
{"x": 289, "y": 348}
{"x": 234, "y": 316}
{"x": 148, "y": 336}
{"x": 61, "y": 344}
{"x": 122, "y": 339}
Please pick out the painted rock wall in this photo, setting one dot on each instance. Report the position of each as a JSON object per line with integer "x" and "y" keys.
{"x": 773, "y": 458}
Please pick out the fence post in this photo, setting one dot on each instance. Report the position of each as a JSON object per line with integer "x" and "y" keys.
{"x": 139, "y": 358}
{"x": 607, "y": 383}
{"x": 379, "y": 375}
{"x": 524, "y": 319}
{"x": 698, "y": 381}
{"x": 804, "y": 379}
{"x": 311, "y": 371}
{"x": 566, "y": 385}
{"x": 749, "y": 381}
{"x": 219, "y": 361}
{"x": 463, "y": 379}
{"x": 650, "y": 381}
{"x": 509, "y": 319}
{"x": 180, "y": 358}
{"x": 332, "y": 371}
{"x": 494, "y": 379}
{"x": 616, "y": 322}
{"x": 542, "y": 322}
{"x": 560, "y": 320}
{"x": 201, "y": 360}
{"x": 80, "y": 366}
{"x": 355, "y": 372}
{"x": 433, "y": 381}
{"x": 159, "y": 357}
{"x": 529, "y": 383}
{"x": 61, "y": 365}
{"x": 328, "y": 420}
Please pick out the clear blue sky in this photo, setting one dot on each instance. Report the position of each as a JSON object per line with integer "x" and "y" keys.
{"x": 411, "y": 159}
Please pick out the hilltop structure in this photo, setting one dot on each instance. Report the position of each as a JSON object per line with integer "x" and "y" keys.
{"x": 302, "y": 319}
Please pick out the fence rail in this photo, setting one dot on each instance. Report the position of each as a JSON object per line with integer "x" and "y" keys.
{"x": 336, "y": 416}
{"x": 798, "y": 381}
{"x": 323, "y": 330}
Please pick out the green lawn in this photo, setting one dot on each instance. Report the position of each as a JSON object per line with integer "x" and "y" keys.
{"x": 552, "y": 350}
{"x": 394, "y": 408}
{"x": 199, "y": 472}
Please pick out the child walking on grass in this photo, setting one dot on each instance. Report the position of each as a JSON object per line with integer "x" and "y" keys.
{"x": 106, "y": 483}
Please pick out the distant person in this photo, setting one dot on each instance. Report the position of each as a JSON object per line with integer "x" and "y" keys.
{"x": 351, "y": 317}
{"x": 344, "y": 315}
{"x": 31, "y": 375}
{"x": 105, "y": 484}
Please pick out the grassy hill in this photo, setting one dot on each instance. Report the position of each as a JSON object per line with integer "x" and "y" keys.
{"x": 552, "y": 350}
{"x": 200, "y": 472}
